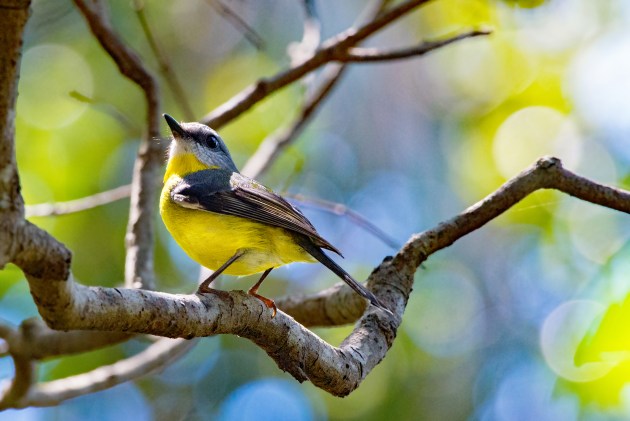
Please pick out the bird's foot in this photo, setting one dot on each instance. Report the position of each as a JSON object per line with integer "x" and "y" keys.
{"x": 266, "y": 301}
{"x": 207, "y": 290}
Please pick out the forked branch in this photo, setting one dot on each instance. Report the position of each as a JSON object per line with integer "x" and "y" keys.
{"x": 297, "y": 350}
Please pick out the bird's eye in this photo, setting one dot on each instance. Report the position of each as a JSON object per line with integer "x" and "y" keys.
{"x": 212, "y": 141}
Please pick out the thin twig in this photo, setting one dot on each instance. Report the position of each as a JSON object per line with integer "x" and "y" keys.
{"x": 311, "y": 35}
{"x": 271, "y": 147}
{"x": 106, "y": 108}
{"x": 78, "y": 205}
{"x": 322, "y": 309}
{"x": 371, "y": 55}
{"x": 330, "y": 48}
{"x": 343, "y": 210}
{"x": 144, "y": 185}
{"x": 235, "y": 20}
{"x": 165, "y": 66}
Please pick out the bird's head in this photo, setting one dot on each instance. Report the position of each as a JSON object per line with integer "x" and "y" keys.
{"x": 201, "y": 141}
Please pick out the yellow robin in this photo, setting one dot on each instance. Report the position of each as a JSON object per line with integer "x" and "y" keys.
{"x": 231, "y": 223}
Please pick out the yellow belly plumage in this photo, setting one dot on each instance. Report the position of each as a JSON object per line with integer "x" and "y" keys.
{"x": 211, "y": 239}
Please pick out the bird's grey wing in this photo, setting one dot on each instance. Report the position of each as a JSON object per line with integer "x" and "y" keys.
{"x": 244, "y": 197}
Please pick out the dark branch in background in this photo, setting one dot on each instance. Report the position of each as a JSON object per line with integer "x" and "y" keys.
{"x": 145, "y": 181}
{"x": 106, "y": 108}
{"x": 165, "y": 67}
{"x": 341, "y": 42}
{"x": 343, "y": 210}
{"x": 273, "y": 145}
{"x": 370, "y": 55}
{"x": 235, "y": 20}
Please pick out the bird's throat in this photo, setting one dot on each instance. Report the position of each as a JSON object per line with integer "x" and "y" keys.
{"x": 182, "y": 164}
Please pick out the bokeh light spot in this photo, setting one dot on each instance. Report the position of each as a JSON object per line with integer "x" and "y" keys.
{"x": 448, "y": 313}
{"x": 595, "y": 233}
{"x": 46, "y": 104}
{"x": 531, "y": 133}
{"x": 266, "y": 399}
{"x": 562, "y": 333}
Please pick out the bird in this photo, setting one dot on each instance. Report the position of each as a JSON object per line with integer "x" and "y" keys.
{"x": 231, "y": 223}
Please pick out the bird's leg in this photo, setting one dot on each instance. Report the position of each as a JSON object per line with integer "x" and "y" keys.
{"x": 266, "y": 301}
{"x": 205, "y": 285}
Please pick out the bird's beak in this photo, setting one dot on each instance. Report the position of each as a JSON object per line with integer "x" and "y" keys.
{"x": 177, "y": 130}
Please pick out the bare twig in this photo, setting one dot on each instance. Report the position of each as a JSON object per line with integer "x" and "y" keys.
{"x": 370, "y": 55}
{"x": 78, "y": 205}
{"x": 546, "y": 173}
{"x": 153, "y": 359}
{"x": 165, "y": 66}
{"x": 144, "y": 186}
{"x": 311, "y": 36}
{"x": 243, "y": 27}
{"x": 330, "y": 48}
{"x": 272, "y": 145}
{"x": 343, "y": 210}
{"x": 106, "y": 108}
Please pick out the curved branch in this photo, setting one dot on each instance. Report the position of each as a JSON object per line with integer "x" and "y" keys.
{"x": 21, "y": 383}
{"x": 24, "y": 374}
{"x": 153, "y": 359}
{"x": 547, "y": 173}
{"x": 67, "y": 305}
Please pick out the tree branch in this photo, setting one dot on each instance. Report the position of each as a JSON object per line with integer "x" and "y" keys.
{"x": 342, "y": 210}
{"x": 144, "y": 185}
{"x": 36, "y": 341}
{"x": 237, "y": 22}
{"x": 165, "y": 66}
{"x": 330, "y": 48}
{"x": 24, "y": 375}
{"x": 153, "y": 359}
{"x": 371, "y": 55}
{"x": 14, "y": 16}
{"x": 67, "y": 305}
{"x": 271, "y": 147}
{"x": 81, "y": 204}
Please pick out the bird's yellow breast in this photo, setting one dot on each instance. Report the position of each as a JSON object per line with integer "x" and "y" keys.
{"x": 211, "y": 238}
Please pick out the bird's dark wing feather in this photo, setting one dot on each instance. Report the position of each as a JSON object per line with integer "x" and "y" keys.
{"x": 234, "y": 194}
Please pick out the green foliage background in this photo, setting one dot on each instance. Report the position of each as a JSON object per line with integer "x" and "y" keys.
{"x": 494, "y": 322}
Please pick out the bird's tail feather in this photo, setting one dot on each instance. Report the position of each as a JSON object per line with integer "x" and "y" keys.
{"x": 317, "y": 253}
